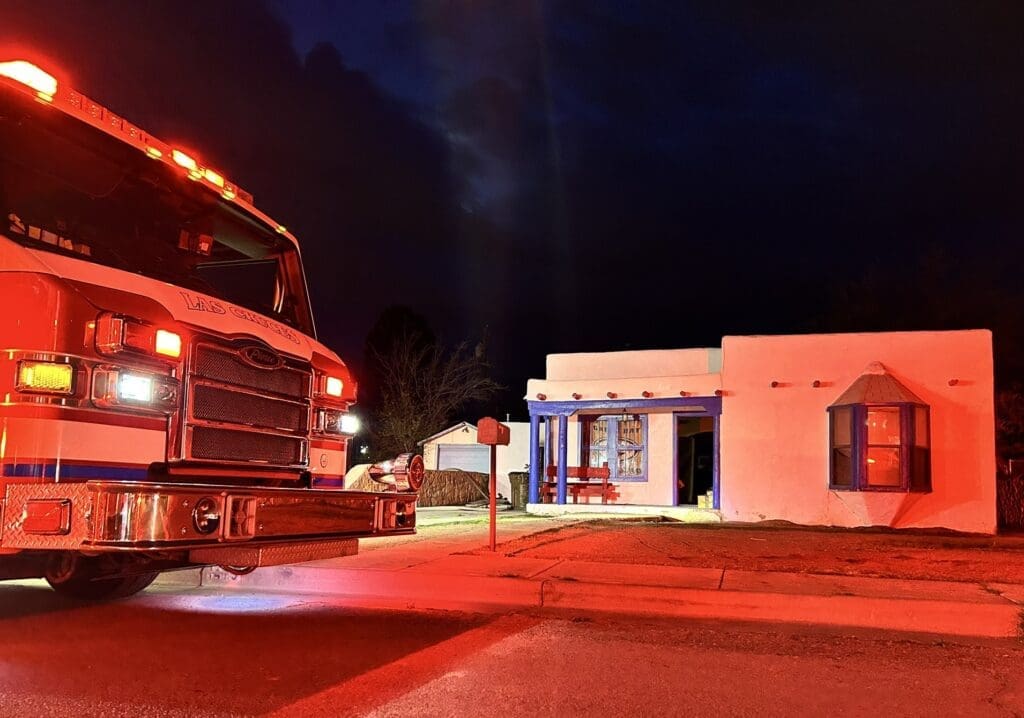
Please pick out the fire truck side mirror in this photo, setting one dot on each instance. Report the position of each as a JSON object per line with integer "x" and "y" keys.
{"x": 405, "y": 472}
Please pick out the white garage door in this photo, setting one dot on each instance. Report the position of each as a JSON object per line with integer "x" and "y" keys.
{"x": 468, "y": 457}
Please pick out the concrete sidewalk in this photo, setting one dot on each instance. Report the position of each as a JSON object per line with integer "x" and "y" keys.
{"x": 442, "y": 568}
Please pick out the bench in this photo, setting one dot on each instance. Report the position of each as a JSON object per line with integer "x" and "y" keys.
{"x": 586, "y": 481}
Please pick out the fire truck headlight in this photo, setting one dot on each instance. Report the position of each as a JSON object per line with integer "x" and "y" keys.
{"x": 114, "y": 387}
{"x": 350, "y": 424}
{"x": 333, "y": 421}
{"x": 135, "y": 387}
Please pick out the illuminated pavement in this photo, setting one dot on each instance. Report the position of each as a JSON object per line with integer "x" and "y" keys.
{"x": 736, "y": 573}
{"x": 175, "y": 653}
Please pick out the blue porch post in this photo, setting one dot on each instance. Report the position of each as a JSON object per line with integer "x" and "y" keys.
{"x": 716, "y": 463}
{"x": 535, "y": 458}
{"x": 563, "y": 456}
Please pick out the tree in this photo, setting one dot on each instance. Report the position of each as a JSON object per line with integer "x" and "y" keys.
{"x": 421, "y": 389}
{"x": 1010, "y": 422}
{"x": 395, "y": 324}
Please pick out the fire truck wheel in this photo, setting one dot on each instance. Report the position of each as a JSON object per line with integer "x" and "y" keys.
{"x": 82, "y": 581}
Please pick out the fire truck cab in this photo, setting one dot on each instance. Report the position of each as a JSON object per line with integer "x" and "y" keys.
{"x": 164, "y": 402}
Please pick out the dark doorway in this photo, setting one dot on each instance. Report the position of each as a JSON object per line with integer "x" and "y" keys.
{"x": 695, "y": 461}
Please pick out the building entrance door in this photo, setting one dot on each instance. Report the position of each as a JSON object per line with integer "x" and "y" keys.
{"x": 695, "y": 461}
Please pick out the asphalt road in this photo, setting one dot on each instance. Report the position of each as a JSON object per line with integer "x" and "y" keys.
{"x": 182, "y": 653}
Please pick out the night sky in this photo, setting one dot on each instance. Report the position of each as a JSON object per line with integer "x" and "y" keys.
{"x": 586, "y": 176}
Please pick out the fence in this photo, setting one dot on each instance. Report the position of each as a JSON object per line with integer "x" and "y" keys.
{"x": 1010, "y": 502}
{"x": 440, "y": 488}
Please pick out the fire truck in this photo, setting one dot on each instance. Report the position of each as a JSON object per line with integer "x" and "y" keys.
{"x": 164, "y": 401}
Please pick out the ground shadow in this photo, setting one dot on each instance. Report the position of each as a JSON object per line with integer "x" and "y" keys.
{"x": 18, "y": 600}
{"x": 195, "y": 650}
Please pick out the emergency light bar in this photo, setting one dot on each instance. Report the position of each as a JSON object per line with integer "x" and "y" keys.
{"x": 28, "y": 74}
{"x": 23, "y": 75}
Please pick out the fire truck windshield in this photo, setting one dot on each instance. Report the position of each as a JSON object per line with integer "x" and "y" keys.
{"x": 67, "y": 190}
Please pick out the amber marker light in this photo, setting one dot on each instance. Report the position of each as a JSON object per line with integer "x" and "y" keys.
{"x": 180, "y": 158}
{"x": 188, "y": 162}
{"x": 333, "y": 386}
{"x": 214, "y": 177}
{"x": 31, "y": 76}
{"x": 154, "y": 152}
{"x": 167, "y": 344}
{"x": 45, "y": 377}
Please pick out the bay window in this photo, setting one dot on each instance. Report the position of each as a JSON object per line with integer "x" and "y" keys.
{"x": 879, "y": 447}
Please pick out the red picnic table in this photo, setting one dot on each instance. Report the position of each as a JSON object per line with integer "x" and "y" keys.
{"x": 587, "y": 481}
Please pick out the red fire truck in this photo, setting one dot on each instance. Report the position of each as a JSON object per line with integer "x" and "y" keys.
{"x": 164, "y": 402}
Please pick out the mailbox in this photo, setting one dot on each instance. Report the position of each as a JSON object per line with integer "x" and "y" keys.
{"x": 492, "y": 432}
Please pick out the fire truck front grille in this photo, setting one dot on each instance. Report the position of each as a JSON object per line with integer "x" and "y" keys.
{"x": 227, "y": 366}
{"x": 211, "y": 403}
{"x": 240, "y": 411}
{"x": 230, "y": 445}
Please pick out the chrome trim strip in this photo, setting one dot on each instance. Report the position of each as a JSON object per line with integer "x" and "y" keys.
{"x": 143, "y": 516}
{"x": 274, "y": 554}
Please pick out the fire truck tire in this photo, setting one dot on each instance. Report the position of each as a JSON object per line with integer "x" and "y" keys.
{"x": 82, "y": 585}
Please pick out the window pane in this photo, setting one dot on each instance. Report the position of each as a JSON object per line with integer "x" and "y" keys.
{"x": 595, "y": 441}
{"x": 631, "y": 431}
{"x": 842, "y": 468}
{"x": 598, "y": 458}
{"x": 631, "y": 462}
{"x": 883, "y": 467}
{"x": 841, "y": 420}
{"x": 921, "y": 427}
{"x": 920, "y": 469}
{"x": 884, "y": 425}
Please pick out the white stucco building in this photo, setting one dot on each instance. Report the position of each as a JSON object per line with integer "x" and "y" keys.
{"x": 456, "y": 448}
{"x": 884, "y": 429}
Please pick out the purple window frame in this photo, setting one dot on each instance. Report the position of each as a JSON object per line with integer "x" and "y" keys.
{"x": 612, "y": 447}
{"x": 859, "y": 447}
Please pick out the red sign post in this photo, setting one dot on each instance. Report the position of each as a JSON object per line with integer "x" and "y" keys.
{"x": 493, "y": 433}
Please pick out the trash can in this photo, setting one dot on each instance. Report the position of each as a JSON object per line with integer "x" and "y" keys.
{"x": 520, "y": 481}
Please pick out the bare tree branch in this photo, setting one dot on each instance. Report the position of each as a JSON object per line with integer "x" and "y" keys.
{"x": 423, "y": 387}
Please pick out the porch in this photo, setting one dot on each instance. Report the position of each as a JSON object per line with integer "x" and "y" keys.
{"x": 683, "y": 514}
{"x": 625, "y": 456}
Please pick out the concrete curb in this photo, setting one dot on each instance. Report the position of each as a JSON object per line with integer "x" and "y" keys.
{"x": 989, "y": 620}
{"x": 998, "y": 617}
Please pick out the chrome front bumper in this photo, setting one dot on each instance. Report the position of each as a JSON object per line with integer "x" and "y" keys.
{"x": 117, "y": 516}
